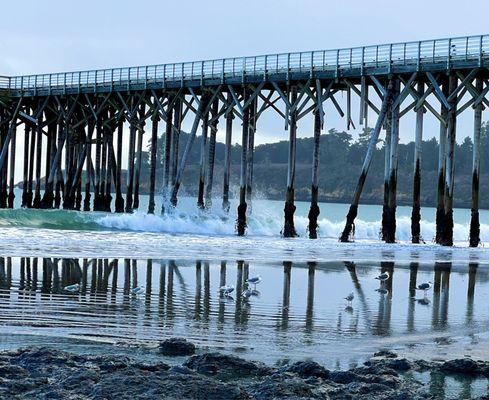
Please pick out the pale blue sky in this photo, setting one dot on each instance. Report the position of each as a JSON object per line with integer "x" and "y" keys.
{"x": 54, "y": 35}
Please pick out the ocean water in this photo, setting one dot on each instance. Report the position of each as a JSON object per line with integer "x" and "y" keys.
{"x": 297, "y": 312}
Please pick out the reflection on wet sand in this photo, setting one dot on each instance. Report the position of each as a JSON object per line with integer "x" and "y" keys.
{"x": 303, "y": 301}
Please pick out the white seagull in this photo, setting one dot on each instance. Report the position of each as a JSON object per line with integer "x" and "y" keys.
{"x": 72, "y": 288}
{"x": 383, "y": 277}
{"x": 137, "y": 290}
{"x": 349, "y": 299}
{"x": 255, "y": 280}
{"x": 226, "y": 290}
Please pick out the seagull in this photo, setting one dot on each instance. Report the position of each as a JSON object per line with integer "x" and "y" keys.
{"x": 226, "y": 290}
{"x": 247, "y": 294}
{"x": 383, "y": 277}
{"x": 254, "y": 280}
{"x": 425, "y": 287}
{"x": 72, "y": 288}
{"x": 137, "y": 290}
{"x": 349, "y": 299}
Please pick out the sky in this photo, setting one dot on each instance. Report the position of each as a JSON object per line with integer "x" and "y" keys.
{"x": 55, "y": 36}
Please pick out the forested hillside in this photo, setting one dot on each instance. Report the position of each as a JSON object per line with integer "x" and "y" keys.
{"x": 341, "y": 160}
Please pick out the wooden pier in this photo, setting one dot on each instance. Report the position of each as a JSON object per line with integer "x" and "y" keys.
{"x": 81, "y": 125}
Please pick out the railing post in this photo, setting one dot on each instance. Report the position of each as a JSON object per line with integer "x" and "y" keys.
{"x": 111, "y": 80}
{"x": 50, "y": 85}
{"x": 449, "y": 53}
{"x": 288, "y": 67}
{"x": 146, "y": 77}
{"x": 390, "y": 58}
{"x": 418, "y": 63}
{"x": 202, "y": 73}
{"x": 183, "y": 74}
{"x": 243, "y": 70}
{"x": 337, "y": 63}
{"x": 312, "y": 64}
{"x": 480, "y": 51}
{"x": 164, "y": 76}
{"x": 265, "y": 70}
{"x": 363, "y": 61}
{"x": 223, "y": 67}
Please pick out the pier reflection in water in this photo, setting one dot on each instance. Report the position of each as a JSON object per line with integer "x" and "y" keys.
{"x": 298, "y": 311}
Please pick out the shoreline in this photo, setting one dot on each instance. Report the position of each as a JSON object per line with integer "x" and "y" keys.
{"x": 47, "y": 372}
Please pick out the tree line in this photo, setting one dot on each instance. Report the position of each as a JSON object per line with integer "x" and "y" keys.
{"x": 340, "y": 164}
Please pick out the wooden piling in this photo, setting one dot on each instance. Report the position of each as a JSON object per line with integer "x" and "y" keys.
{"x": 387, "y": 163}
{"x": 130, "y": 166}
{"x": 27, "y": 130}
{"x": 474, "y": 238}
{"x": 447, "y": 239}
{"x": 175, "y": 140}
{"x": 211, "y": 154}
{"x": 201, "y": 110}
{"x": 11, "y": 194}
{"x": 241, "y": 220}
{"x": 440, "y": 200}
{"x": 57, "y": 177}
{"x": 119, "y": 200}
{"x": 137, "y": 172}
{"x": 289, "y": 208}
{"x": 250, "y": 154}
{"x": 98, "y": 155}
{"x": 37, "y": 196}
{"x": 348, "y": 231}
{"x": 167, "y": 160}
{"x": 314, "y": 209}
{"x": 390, "y": 234}
{"x": 88, "y": 160}
{"x": 103, "y": 166}
{"x": 202, "y": 169}
{"x": 152, "y": 168}
{"x": 32, "y": 153}
{"x": 227, "y": 158}
{"x": 418, "y": 143}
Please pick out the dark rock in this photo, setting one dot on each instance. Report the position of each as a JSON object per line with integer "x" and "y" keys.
{"x": 343, "y": 377}
{"x": 462, "y": 366}
{"x": 176, "y": 347}
{"x": 287, "y": 386}
{"x": 385, "y": 354}
{"x": 226, "y": 366}
{"x": 306, "y": 369}
{"x": 12, "y": 371}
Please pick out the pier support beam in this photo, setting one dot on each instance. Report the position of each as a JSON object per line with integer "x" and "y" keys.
{"x": 241, "y": 220}
{"x": 353, "y": 211}
{"x": 119, "y": 200}
{"x": 418, "y": 143}
{"x": 390, "y": 231}
{"x": 314, "y": 210}
{"x": 440, "y": 198}
{"x": 227, "y": 159}
{"x": 27, "y": 130}
{"x": 289, "y": 208}
{"x": 98, "y": 154}
{"x": 152, "y": 168}
{"x": 387, "y": 163}
{"x": 250, "y": 154}
{"x": 201, "y": 110}
{"x": 11, "y": 194}
{"x": 447, "y": 239}
{"x": 137, "y": 172}
{"x": 88, "y": 161}
{"x": 130, "y": 166}
{"x": 211, "y": 155}
{"x": 203, "y": 147}
{"x": 37, "y": 196}
{"x": 167, "y": 161}
{"x": 474, "y": 239}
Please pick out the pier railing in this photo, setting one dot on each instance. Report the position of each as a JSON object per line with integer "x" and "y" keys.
{"x": 413, "y": 55}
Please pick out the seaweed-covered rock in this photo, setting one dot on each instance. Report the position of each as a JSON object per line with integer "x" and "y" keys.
{"x": 176, "y": 347}
{"x": 287, "y": 386}
{"x": 226, "y": 366}
{"x": 306, "y": 369}
{"x": 462, "y": 366}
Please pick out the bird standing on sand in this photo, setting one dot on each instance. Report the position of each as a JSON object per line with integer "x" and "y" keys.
{"x": 254, "y": 280}
{"x": 425, "y": 287}
{"x": 72, "y": 288}
{"x": 383, "y": 277}
{"x": 349, "y": 299}
{"x": 226, "y": 290}
{"x": 137, "y": 290}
